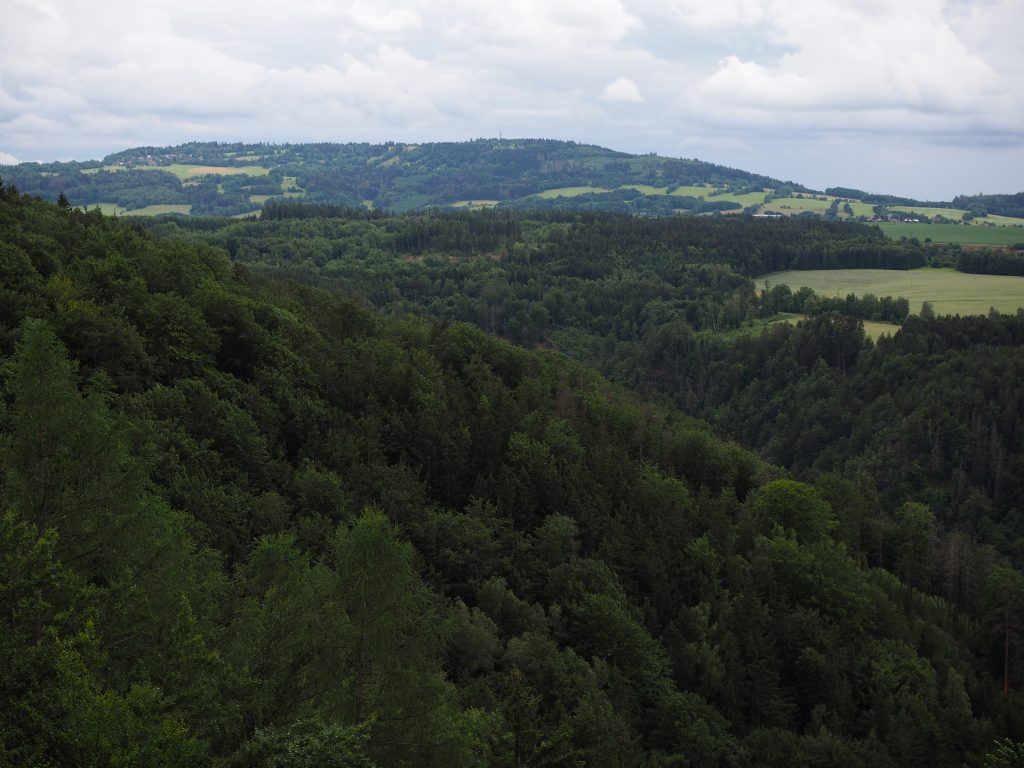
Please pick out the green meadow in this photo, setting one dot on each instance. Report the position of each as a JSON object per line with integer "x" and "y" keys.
{"x": 872, "y": 328}
{"x": 156, "y": 210}
{"x": 950, "y": 292}
{"x": 113, "y": 209}
{"x": 957, "y": 213}
{"x": 954, "y": 233}
{"x": 108, "y": 209}
{"x": 569, "y": 192}
{"x": 795, "y": 205}
{"x": 474, "y": 204}
{"x": 186, "y": 171}
{"x": 708, "y": 193}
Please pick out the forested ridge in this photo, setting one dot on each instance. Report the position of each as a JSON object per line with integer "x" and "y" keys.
{"x": 391, "y": 176}
{"x": 255, "y": 521}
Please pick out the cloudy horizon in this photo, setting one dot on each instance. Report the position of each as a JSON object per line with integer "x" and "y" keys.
{"x": 924, "y": 98}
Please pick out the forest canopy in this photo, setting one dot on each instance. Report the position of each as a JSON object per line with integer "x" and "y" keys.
{"x": 250, "y": 520}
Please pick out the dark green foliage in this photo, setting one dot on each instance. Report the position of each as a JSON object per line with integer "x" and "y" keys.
{"x": 254, "y": 522}
{"x": 991, "y": 262}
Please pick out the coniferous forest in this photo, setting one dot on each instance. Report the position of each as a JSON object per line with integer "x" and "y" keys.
{"x": 508, "y": 488}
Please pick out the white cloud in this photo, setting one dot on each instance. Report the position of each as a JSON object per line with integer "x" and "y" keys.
{"x": 8, "y": 159}
{"x": 735, "y": 77}
{"x": 375, "y": 18}
{"x": 705, "y": 15}
{"x": 624, "y": 90}
{"x": 854, "y": 57}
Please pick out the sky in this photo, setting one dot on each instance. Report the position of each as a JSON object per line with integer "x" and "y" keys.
{"x": 922, "y": 98}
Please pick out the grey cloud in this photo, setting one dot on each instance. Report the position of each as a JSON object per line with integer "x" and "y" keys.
{"x": 732, "y": 79}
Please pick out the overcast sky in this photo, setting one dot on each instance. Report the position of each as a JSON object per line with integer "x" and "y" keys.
{"x": 915, "y": 97}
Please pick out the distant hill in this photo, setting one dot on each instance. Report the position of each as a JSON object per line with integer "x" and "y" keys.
{"x": 228, "y": 179}
{"x": 224, "y": 179}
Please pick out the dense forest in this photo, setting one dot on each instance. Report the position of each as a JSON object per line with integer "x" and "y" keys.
{"x": 269, "y": 498}
{"x": 647, "y": 301}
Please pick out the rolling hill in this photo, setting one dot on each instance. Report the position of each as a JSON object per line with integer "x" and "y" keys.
{"x": 237, "y": 179}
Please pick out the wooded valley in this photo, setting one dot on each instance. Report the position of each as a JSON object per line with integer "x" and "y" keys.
{"x": 504, "y": 488}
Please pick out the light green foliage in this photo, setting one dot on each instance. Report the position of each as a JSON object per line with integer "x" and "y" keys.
{"x": 309, "y": 743}
{"x": 797, "y": 509}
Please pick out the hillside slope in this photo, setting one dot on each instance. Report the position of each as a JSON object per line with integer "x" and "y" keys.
{"x": 233, "y": 178}
{"x": 257, "y": 523}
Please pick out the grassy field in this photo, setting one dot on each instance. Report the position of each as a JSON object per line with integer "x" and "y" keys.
{"x": 950, "y": 292}
{"x": 108, "y": 209}
{"x": 872, "y": 328}
{"x": 798, "y": 204}
{"x": 949, "y": 213}
{"x": 474, "y": 204}
{"x": 956, "y": 213}
{"x": 113, "y": 209}
{"x": 183, "y": 171}
{"x": 569, "y": 192}
{"x": 795, "y": 205}
{"x": 708, "y": 193}
{"x": 954, "y": 233}
{"x": 188, "y": 171}
{"x": 156, "y": 210}
{"x": 1000, "y": 221}
{"x": 693, "y": 191}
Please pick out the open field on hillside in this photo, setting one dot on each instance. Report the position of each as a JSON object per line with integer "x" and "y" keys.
{"x": 1002, "y": 221}
{"x": 183, "y": 171}
{"x": 569, "y": 192}
{"x": 108, "y": 209}
{"x": 950, "y": 292}
{"x": 872, "y": 328}
{"x": 794, "y": 205}
{"x": 791, "y": 205}
{"x": 954, "y": 233}
{"x": 474, "y": 204}
{"x": 957, "y": 213}
{"x": 113, "y": 209}
{"x": 708, "y": 193}
{"x": 949, "y": 213}
{"x": 188, "y": 171}
{"x": 156, "y": 210}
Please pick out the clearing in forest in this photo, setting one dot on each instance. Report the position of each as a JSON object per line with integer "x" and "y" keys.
{"x": 950, "y": 292}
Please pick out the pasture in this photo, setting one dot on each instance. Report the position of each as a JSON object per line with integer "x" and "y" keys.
{"x": 953, "y": 233}
{"x": 799, "y": 204}
{"x": 474, "y": 204}
{"x": 569, "y": 192}
{"x": 955, "y": 214}
{"x": 709, "y": 194}
{"x": 950, "y": 292}
{"x": 108, "y": 209}
{"x": 794, "y": 205}
{"x": 155, "y": 210}
{"x": 184, "y": 171}
{"x": 872, "y": 328}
